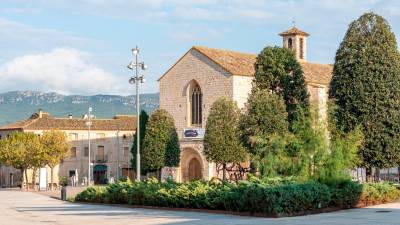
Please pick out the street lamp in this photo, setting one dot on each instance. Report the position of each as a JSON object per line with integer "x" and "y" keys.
{"x": 135, "y": 65}
{"x": 89, "y": 124}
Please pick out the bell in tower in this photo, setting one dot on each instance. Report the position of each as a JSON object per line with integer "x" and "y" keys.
{"x": 296, "y": 40}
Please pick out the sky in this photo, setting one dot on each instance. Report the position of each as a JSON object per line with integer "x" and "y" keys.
{"x": 83, "y": 46}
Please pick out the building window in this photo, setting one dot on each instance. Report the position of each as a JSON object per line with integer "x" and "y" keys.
{"x": 100, "y": 153}
{"x": 73, "y": 152}
{"x": 86, "y": 152}
{"x": 196, "y": 105}
{"x": 101, "y": 135}
{"x": 126, "y": 151}
{"x": 290, "y": 43}
{"x": 73, "y": 136}
{"x": 301, "y": 48}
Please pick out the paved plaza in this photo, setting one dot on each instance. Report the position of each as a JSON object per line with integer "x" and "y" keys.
{"x": 21, "y": 208}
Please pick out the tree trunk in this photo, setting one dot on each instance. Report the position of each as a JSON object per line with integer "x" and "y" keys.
{"x": 377, "y": 174}
{"x": 51, "y": 178}
{"x": 26, "y": 179}
{"x": 34, "y": 178}
{"x": 224, "y": 172}
{"x": 22, "y": 177}
{"x": 368, "y": 174}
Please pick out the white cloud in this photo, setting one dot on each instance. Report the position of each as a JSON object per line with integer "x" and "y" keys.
{"x": 63, "y": 70}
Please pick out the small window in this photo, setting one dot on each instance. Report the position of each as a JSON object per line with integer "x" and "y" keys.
{"x": 126, "y": 151}
{"x": 101, "y": 135}
{"x": 73, "y": 152}
{"x": 301, "y": 48}
{"x": 86, "y": 152}
{"x": 100, "y": 153}
{"x": 73, "y": 136}
{"x": 290, "y": 43}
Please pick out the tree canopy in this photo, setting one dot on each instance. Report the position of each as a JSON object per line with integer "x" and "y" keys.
{"x": 366, "y": 88}
{"x": 222, "y": 136}
{"x": 277, "y": 70}
{"x": 265, "y": 116}
{"x": 161, "y": 143}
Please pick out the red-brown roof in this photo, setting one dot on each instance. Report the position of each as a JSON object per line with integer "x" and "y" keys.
{"x": 242, "y": 64}
{"x": 47, "y": 122}
{"x": 293, "y": 31}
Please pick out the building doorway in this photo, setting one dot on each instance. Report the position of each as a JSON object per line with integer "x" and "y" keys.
{"x": 191, "y": 165}
{"x": 100, "y": 174}
{"x": 194, "y": 169}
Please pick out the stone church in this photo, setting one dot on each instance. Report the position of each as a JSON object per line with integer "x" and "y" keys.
{"x": 202, "y": 75}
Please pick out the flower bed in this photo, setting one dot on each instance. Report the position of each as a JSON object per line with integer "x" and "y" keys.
{"x": 276, "y": 199}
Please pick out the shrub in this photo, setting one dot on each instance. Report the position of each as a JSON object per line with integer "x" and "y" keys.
{"x": 273, "y": 197}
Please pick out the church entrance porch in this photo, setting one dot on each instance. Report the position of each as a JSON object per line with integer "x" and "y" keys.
{"x": 192, "y": 166}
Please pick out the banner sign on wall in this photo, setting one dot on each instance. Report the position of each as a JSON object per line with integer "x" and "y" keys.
{"x": 193, "y": 133}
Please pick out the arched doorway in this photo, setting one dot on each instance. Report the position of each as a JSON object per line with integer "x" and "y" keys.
{"x": 195, "y": 169}
{"x": 191, "y": 165}
{"x": 100, "y": 174}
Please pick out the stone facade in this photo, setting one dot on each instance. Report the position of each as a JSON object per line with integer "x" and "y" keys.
{"x": 222, "y": 73}
{"x": 109, "y": 152}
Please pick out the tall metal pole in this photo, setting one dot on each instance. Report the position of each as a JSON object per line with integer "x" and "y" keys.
{"x": 135, "y": 80}
{"x": 137, "y": 121}
{"x": 89, "y": 162}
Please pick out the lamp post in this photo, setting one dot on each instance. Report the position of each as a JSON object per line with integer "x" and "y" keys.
{"x": 135, "y": 65}
{"x": 89, "y": 124}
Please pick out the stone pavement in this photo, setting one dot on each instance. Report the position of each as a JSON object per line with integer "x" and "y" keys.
{"x": 22, "y": 208}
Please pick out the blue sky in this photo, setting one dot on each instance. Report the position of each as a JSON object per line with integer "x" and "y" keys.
{"x": 83, "y": 46}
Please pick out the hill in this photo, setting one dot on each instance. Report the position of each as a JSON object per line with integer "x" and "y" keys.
{"x": 18, "y": 105}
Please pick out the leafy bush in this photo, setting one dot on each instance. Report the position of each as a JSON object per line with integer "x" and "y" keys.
{"x": 376, "y": 193}
{"x": 274, "y": 197}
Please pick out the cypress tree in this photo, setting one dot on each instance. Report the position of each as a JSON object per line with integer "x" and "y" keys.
{"x": 222, "y": 137}
{"x": 160, "y": 144}
{"x": 143, "y": 119}
{"x": 277, "y": 70}
{"x": 366, "y": 88}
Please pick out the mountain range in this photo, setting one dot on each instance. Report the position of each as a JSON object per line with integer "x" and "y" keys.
{"x": 18, "y": 105}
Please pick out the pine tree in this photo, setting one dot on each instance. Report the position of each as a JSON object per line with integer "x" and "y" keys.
{"x": 143, "y": 119}
{"x": 277, "y": 70}
{"x": 160, "y": 144}
{"x": 366, "y": 88}
{"x": 222, "y": 137}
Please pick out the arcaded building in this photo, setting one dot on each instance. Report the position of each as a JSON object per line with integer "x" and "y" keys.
{"x": 110, "y": 141}
{"x": 202, "y": 75}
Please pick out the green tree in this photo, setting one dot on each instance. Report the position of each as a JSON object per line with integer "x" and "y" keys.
{"x": 160, "y": 144}
{"x": 263, "y": 127}
{"x": 222, "y": 136}
{"x": 21, "y": 151}
{"x": 265, "y": 116}
{"x": 56, "y": 147}
{"x": 366, "y": 88}
{"x": 143, "y": 119}
{"x": 277, "y": 70}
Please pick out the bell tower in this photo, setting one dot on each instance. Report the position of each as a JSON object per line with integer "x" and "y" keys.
{"x": 296, "y": 40}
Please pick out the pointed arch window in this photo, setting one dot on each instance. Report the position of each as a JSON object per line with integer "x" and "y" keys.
{"x": 196, "y": 103}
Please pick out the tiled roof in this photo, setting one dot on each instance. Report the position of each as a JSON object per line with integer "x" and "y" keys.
{"x": 47, "y": 122}
{"x": 242, "y": 64}
{"x": 293, "y": 31}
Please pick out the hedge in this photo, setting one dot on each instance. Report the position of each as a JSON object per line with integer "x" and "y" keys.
{"x": 270, "y": 199}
